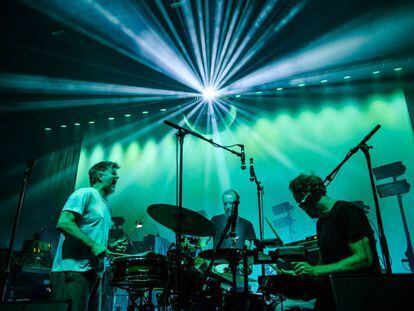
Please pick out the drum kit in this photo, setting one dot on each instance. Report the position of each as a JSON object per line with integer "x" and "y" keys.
{"x": 193, "y": 289}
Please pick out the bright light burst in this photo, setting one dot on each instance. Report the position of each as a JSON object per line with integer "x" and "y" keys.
{"x": 210, "y": 94}
{"x": 213, "y": 47}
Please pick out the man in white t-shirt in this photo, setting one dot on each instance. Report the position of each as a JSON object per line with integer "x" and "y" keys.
{"x": 84, "y": 222}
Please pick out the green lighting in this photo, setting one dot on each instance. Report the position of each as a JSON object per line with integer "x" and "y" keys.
{"x": 279, "y": 89}
{"x": 111, "y": 118}
{"x": 127, "y": 115}
{"x": 163, "y": 109}
{"x": 301, "y": 85}
{"x": 324, "y": 81}
{"x": 376, "y": 72}
{"x": 91, "y": 122}
{"x": 238, "y": 95}
{"x": 145, "y": 112}
{"x": 48, "y": 129}
{"x": 398, "y": 69}
{"x": 258, "y": 92}
{"x": 76, "y": 124}
{"x": 347, "y": 77}
{"x": 63, "y": 125}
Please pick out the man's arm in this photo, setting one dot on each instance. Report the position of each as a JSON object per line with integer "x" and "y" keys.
{"x": 68, "y": 226}
{"x": 361, "y": 258}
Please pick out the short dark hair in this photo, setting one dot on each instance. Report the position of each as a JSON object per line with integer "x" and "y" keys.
{"x": 100, "y": 167}
{"x": 306, "y": 183}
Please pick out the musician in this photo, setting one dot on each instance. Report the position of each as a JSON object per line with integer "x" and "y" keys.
{"x": 84, "y": 224}
{"x": 244, "y": 229}
{"x": 245, "y": 233}
{"x": 345, "y": 239}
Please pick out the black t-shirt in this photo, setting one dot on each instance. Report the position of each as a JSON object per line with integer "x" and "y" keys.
{"x": 244, "y": 230}
{"x": 345, "y": 223}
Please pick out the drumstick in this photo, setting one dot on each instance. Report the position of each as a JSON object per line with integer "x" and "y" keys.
{"x": 274, "y": 231}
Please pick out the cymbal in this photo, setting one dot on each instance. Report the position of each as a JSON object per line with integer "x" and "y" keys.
{"x": 227, "y": 255}
{"x": 192, "y": 223}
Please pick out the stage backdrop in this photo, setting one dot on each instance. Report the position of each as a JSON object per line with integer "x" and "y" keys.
{"x": 287, "y": 135}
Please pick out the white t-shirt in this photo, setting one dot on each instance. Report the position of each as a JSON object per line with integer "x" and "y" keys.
{"x": 95, "y": 221}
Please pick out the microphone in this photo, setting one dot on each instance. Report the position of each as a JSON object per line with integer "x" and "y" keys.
{"x": 242, "y": 158}
{"x": 251, "y": 170}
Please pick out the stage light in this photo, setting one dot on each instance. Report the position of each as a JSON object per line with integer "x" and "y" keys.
{"x": 238, "y": 96}
{"x": 376, "y": 72}
{"x": 279, "y": 89}
{"x": 210, "y": 94}
{"x": 145, "y": 112}
{"x": 258, "y": 92}
{"x": 347, "y": 77}
{"x": 111, "y": 118}
{"x": 163, "y": 109}
{"x": 324, "y": 81}
{"x": 76, "y": 124}
{"x": 398, "y": 69}
{"x": 63, "y": 125}
{"x": 48, "y": 129}
{"x": 301, "y": 85}
{"x": 91, "y": 122}
{"x": 127, "y": 115}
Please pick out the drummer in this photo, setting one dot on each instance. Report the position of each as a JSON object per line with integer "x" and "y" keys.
{"x": 245, "y": 233}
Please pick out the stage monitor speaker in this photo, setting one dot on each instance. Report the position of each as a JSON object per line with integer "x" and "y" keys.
{"x": 383, "y": 292}
{"x": 34, "y": 306}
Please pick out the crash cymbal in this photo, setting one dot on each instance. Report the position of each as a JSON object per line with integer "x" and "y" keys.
{"x": 227, "y": 255}
{"x": 192, "y": 223}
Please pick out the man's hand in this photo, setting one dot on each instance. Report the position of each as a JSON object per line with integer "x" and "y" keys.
{"x": 303, "y": 268}
{"x": 119, "y": 245}
{"x": 98, "y": 250}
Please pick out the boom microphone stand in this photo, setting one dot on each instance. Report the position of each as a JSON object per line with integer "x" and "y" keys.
{"x": 328, "y": 179}
{"x": 180, "y": 138}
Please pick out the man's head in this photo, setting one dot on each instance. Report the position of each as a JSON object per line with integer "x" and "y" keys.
{"x": 105, "y": 174}
{"x": 230, "y": 197}
{"x": 307, "y": 190}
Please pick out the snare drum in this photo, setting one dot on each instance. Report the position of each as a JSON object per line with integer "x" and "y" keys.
{"x": 151, "y": 271}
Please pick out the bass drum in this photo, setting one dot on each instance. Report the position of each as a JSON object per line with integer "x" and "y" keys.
{"x": 151, "y": 271}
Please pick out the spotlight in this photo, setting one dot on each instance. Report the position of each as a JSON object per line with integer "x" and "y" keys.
{"x": 111, "y": 118}
{"x": 347, "y": 77}
{"x": 279, "y": 89}
{"x": 91, "y": 122}
{"x": 145, "y": 112}
{"x": 127, "y": 115}
{"x": 210, "y": 94}
{"x": 63, "y": 125}
{"x": 376, "y": 72}
{"x": 76, "y": 124}
{"x": 301, "y": 85}
{"x": 258, "y": 92}
{"x": 163, "y": 109}
{"x": 398, "y": 69}
{"x": 48, "y": 129}
{"x": 324, "y": 81}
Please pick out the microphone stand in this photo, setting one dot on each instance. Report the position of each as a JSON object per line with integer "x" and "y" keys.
{"x": 7, "y": 272}
{"x": 328, "y": 179}
{"x": 180, "y": 138}
{"x": 260, "y": 194}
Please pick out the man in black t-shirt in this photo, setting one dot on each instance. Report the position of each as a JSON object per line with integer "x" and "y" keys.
{"x": 345, "y": 238}
{"x": 244, "y": 229}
